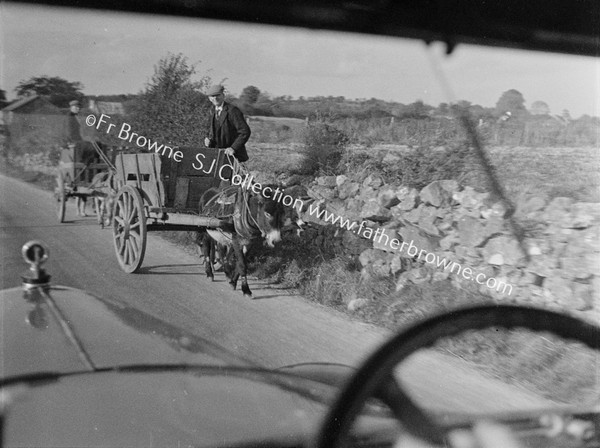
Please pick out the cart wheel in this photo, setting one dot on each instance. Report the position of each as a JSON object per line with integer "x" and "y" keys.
{"x": 61, "y": 197}
{"x": 129, "y": 229}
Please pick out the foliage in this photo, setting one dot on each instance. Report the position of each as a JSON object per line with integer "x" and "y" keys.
{"x": 43, "y": 141}
{"x": 540, "y": 108}
{"x": 418, "y": 167}
{"x": 324, "y": 146}
{"x": 173, "y": 108}
{"x": 59, "y": 90}
{"x": 250, "y": 95}
{"x": 511, "y": 101}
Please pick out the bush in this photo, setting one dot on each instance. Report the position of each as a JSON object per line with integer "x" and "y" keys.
{"x": 43, "y": 145}
{"x": 324, "y": 146}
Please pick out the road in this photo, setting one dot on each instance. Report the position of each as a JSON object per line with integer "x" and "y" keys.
{"x": 274, "y": 329}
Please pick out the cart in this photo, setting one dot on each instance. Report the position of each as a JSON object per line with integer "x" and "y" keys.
{"x": 75, "y": 179}
{"x": 159, "y": 193}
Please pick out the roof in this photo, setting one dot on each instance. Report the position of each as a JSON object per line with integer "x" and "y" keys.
{"x": 22, "y": 102}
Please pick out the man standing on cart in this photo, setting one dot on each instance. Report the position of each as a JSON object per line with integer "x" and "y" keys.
{"x": 228, "y": 127}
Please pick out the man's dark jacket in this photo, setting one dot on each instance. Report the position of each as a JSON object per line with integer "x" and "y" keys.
{"x": 229, "y": 130}
{"x": 72, "y": 129}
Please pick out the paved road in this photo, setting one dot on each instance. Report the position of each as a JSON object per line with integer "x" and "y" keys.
{"x": 274, "y": 329}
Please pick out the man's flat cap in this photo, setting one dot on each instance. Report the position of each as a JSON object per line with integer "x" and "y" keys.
{"x": 75, "y": 103}
{"x": 215, "y": 90}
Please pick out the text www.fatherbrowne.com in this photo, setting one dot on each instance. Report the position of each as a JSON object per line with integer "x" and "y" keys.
{"x": 396, "y": 245}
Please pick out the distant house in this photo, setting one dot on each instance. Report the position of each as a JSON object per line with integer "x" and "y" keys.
{"x": 106, "y": 107}
{"x": 32, "y": 114}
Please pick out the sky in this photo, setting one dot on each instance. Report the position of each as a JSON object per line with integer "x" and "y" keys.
{"x": 112, "y": 53}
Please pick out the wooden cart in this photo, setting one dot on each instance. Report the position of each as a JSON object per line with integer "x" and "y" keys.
{"x": 159, "y": 193}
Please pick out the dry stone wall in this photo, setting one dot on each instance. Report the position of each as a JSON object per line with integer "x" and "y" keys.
{"x": 561, "y": 266}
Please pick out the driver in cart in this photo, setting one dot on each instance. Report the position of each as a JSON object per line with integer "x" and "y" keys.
{"x": 79, "y": 153}
{"x": 228, "y": 129}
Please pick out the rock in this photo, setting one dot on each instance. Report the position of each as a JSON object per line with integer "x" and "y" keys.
{"x": 496, "y": 259}
{"x": 381, "y": 267}
{"x": 534, "y": 250}
{"x": 391, "y": 158}
{"x": 526, "y": 207}
{"x": 435, "y": 194}
{"x": 357, "y": 304}
{"x": 580, "y": 267}
{"x": 397, "y": 264}
{"x": 497, "y": 210}
{"x": 327, "y": 181}
{"x": 348, "y": 190}
{"x": 415, "y": 276}
{"x": 413, "y": 215}
{"x": 387, "y": 197}
{"x": 416, "y": 241}
{"x": 583, "y": 296}
{"x": 450, "y": 185}
{"x": 506, "y": 246}
{"x": 367, "y": 193}
{"x": 543, "y": 266}
{"x": 408, "y": 198}
{"x": 439, "y": 276}
{"x": 306, "y": 216}
{"x": 583, "y": 215}
{"x": 353, "y": 244}
{"x": 561, "y": 293}
{"x": 386, "y": 240}
{"x": 353, "y": 208}
{"x": 469, "y": 198}
{"x": 581, "y": 256}
{"x": 461, "y": 212}
{"x": 369, "y": 256}
{"x": 449, "y": 241}
{"x": 373, "y": 181}
{"x": 558, "y": 211}
{"x": 340, "y": 180}
{"x": 427, "y": 219}
{"x": 471, "y": 232}
{"x": 466, "y": 253}
{"x": 320, "y": 192}
{"x": 374, "y": 211}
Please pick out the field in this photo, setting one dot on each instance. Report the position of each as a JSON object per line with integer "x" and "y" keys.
{"x": 549, "y": 172}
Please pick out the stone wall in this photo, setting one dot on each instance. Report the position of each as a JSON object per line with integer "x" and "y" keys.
{"x": 557, "y": 266}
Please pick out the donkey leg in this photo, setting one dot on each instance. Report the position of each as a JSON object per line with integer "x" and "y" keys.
{"x": 242, "y": 267}
{"x": 208, "y": 252}
{"x": 205, "y": 243}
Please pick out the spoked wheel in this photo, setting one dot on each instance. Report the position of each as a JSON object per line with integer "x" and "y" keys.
{"x": 129, "y": 229}
{"x": 61, "y": 197}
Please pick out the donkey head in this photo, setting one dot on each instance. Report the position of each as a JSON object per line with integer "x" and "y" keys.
{"x": 270, "y": 218}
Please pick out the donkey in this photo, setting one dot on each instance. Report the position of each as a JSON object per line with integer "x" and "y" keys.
{"x": 254, "y": 217}
{"x": 105, "y": 192}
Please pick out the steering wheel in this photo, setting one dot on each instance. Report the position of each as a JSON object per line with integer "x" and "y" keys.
{"x": 374, "y": 377}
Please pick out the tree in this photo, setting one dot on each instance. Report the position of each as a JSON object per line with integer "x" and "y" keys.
{"x": 173, "y": 108}
{"x": 511, "y": 101}
{"x": 59, "y": 90}
{"x": 250, "y": 95}
{"x": 540, "y": 108}
{"x": 566, "y": 115}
